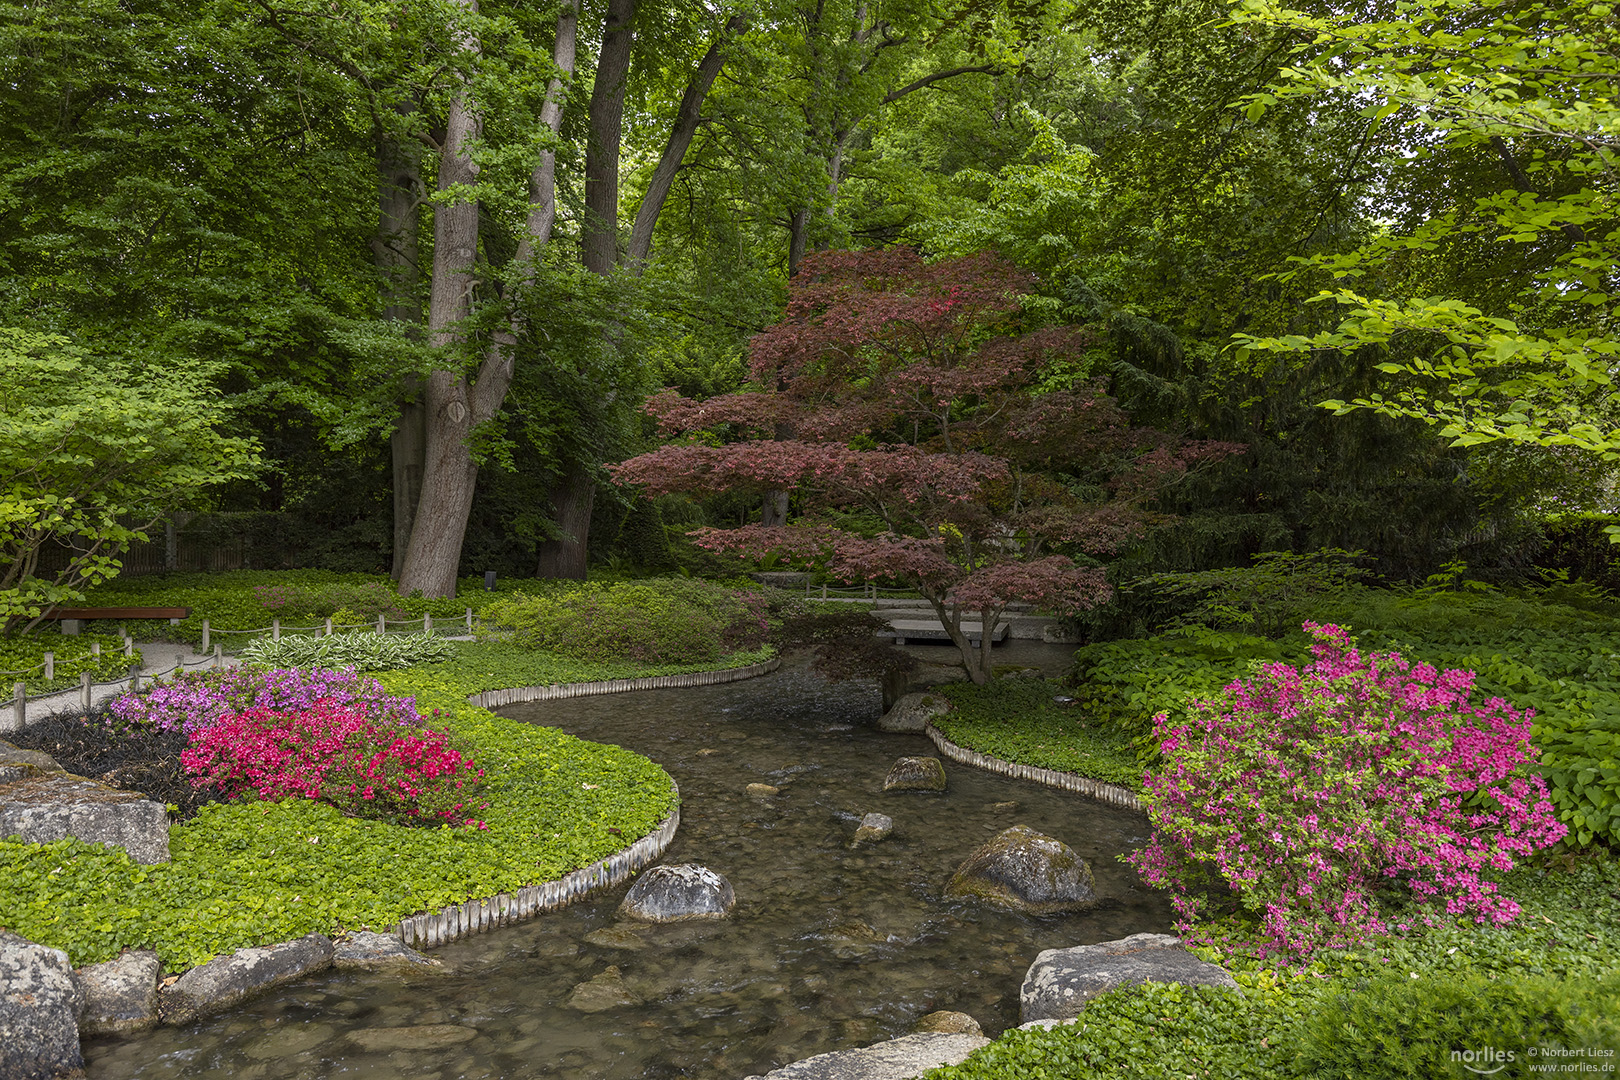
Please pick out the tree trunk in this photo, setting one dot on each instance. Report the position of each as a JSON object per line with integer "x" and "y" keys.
{"x": 573, "y": 500}
{"x": 394, "y": 250}
{"x": 575, "y": 495}
{"x": 600, "y": 237}
{"x": 449, "y": 475}
{"x": 798, "y": 234}
{"x": 680, "y": 140}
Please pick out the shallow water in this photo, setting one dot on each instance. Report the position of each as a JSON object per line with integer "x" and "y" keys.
{"x": 829, "y": 947}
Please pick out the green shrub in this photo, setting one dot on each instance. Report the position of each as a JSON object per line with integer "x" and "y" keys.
{"x": 368, "y": 652}
{"x": 367, "y": 599}
{"x": 1400, "y": 1026}
{"x": 23, "y": 660}
{"x": 657, "y": 621}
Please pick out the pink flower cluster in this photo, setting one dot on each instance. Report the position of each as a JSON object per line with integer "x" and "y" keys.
{"x": 1320, "y": 794}
{"x": 342, "y": 754}
{"x": 196, "y": 699}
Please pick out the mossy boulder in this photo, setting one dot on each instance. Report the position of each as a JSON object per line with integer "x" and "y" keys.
{"x": 1026, "y": 871}
{"x": 677, "y": 893}
{"x": 915, "y": 774}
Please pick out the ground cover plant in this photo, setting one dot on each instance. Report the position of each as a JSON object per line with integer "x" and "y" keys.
{"x": 1035, "y": 722}
{"x": 23, "y": 660}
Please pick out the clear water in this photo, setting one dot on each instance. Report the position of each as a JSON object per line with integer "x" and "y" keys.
{"x": 829, "y": 948}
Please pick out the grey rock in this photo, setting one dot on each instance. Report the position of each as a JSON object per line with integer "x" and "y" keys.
{"x": 874, "y": 827}
{"x": 1026, "y": 871}
{"x": 762, "y": 791}
{"x": 39, "y": 1011}
{"x": 225, "y": 980}
{"x": 912, "y": 713}
{"x": 915, "y": 774}
{"x": 367, "y": 950}
{"x": 416, "y": 1037}
{"x": 602, "y": 992}
{"x": 1061, "y": 981}
{"x": 43, "y": 808}
{"x": 121, "y": 995}
{"x": 897, "y": 1059}
{"x": 949, "y": 1023}
{"x": 676, "y": 893}
{"x": 27, "y": 761}
{"x": 897, "y": 685}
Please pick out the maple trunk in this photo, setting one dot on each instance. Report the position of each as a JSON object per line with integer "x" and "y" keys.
{"x": 395, "y": 251}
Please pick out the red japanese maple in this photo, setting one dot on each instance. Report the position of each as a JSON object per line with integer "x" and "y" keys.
{"x": 955, "y": 446}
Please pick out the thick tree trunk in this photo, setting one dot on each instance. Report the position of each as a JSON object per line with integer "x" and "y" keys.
{"x": 575, "y": 495}
{"x": 680, "y": 140}
{"x": 798, "y": 237}
{"x": 600, "y": 238}
{"x": 434, "y": 552}
{"x": 572, "y": 500}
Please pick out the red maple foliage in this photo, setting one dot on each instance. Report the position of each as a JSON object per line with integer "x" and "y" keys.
{"x": 917, "y": 405}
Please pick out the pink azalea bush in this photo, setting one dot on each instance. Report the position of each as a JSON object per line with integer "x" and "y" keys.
{"x": 340, "y": 753}
{"x": 1318, "y": 795}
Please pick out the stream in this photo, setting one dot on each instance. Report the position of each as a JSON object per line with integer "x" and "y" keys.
{"x": 829, "y": 947}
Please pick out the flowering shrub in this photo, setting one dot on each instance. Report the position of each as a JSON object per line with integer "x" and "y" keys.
{"x": 195, "y": 700}
{"x": 338, "y": 753}
{"x": 1317, "y": 794}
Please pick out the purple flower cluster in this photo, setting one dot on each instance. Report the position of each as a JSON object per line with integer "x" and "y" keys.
{"x": 196, "y": 700}
{"x": 1320, "y": 793}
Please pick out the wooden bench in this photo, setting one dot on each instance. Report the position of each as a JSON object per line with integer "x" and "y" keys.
{"x": 74, "y": 618}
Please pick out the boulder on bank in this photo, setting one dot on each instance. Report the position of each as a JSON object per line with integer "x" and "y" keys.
{"x": 915, "y": 774}
{"x": 1027, "y": 871}
{"x": 911, "y": 714}
{"x": 677, "y": 893}
{"x": 43, "y": 807}
{"x": 897, "y": 684}
{"x": 120, "y": 996}
{"x": 39, "y": 1011}
{"x": 949, "y": 1023}
{"x": 897, "y": 1059}
{"x": 225, "y": 980}
{"x": 1061, "y": 981}
{"x": 366, "y": 950}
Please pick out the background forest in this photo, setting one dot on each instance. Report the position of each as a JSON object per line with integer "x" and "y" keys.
{"x": 421, "y": 263}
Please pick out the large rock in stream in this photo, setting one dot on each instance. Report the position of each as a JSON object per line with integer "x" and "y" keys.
{"x": 1061, "y": 981}
{"x": 1026, "y": 871}
{"x": 39, "y": 1011}
{"x": 915, "y": 774}
{"x": 667, "y": 894}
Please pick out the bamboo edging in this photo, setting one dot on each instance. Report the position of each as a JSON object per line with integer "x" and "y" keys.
{"x": 432, "y": 928}
{"x": 1096, "y": 789}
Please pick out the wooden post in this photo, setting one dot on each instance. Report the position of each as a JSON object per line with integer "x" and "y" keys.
{"x": 469, "y": 620}
{"x": 275, "y": 629}
{"x": 95, "y": 648}
{"x": 134, "y": 678}
{"x": 205, "y": 636}
{"x": 427, "y": 623}
{"x": 50, "y": 667}
{"x": 84, "y": 690}
{"x": 328, "y": 627}
{"x": 824, "y": 590}
{"x": 19, "y": 706}
{"x": 219, "y": 657}
{"x": 382, "y": 625}
{"x": 129, "y": 646}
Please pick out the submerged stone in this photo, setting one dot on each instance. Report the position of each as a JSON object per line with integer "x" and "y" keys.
{"x": 763, "y": 791}
{"x": 616, "y": 937}
{"x": 602, "y": 992}
{"x": 915, "y": 774}
{"x": 676, "y": 893}
{"x": 1026, "y": 871}
{"x": 416, "y": 1037}
{"x": 949, "y": 1023}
